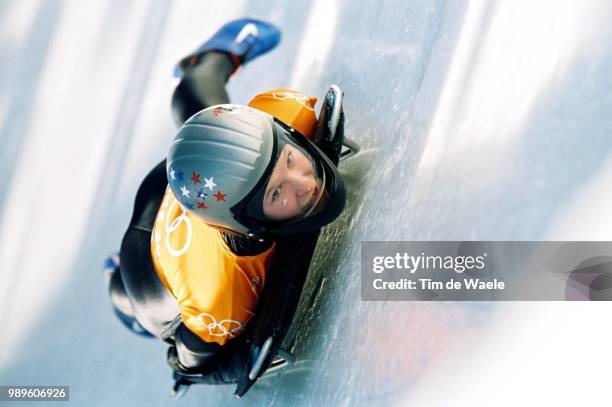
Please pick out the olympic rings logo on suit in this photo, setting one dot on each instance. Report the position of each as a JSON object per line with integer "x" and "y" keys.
{"x": 301, "y": 99}
{"x": 214, "y": 325}
{"x": 171, "y": 226}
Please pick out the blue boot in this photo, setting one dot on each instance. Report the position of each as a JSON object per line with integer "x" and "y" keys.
{"x": 131, "y": 324}
{"x": 245, "y": 39}
{"x": 111, "y": 263}
{"x": 116, "y": 290}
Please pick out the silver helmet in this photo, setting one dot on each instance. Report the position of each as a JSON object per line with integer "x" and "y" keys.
{"x": 222, "y": 161}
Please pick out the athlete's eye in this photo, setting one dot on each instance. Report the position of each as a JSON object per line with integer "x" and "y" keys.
{"x": 289, "y": 158}
{"x": 276, "y": 194}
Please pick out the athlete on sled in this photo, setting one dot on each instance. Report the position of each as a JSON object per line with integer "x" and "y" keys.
{"x": 243, "y": 192}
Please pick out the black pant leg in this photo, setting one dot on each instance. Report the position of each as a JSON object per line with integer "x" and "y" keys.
{"x": 119, "y": 296}
{"x": 202, "y": 86}
{"x": 153, "y": 305}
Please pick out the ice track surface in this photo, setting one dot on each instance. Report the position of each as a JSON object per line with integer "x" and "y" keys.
{"x": 479, "y": 120}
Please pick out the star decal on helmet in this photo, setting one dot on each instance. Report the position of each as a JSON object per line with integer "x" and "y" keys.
{"x": 225, "y": 109}
{"x": 194, "y": 196}
{"x": 219, "y": 196}
{"x": 208, "y": 183}
{"x": 195, "y": 178}
{"x": 184, "y": 191}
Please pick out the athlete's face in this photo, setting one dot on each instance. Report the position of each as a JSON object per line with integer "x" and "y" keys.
{"x": 293, "y": 187}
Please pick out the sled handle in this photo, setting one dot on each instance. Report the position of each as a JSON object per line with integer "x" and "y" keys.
{"x": 349, "y": 149}
{"x": 282, "y": 359}
{"x": 265, "y": 349}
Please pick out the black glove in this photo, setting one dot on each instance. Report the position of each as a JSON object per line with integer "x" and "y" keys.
{"x": 175, "y": 363}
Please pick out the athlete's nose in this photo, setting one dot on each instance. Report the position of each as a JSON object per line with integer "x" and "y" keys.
{"x": 303, "y": 183}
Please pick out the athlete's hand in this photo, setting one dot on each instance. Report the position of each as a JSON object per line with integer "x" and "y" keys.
{"x": 174, "y": 362}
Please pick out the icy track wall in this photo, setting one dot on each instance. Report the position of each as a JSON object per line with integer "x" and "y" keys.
{"x": 479, "y": 120}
